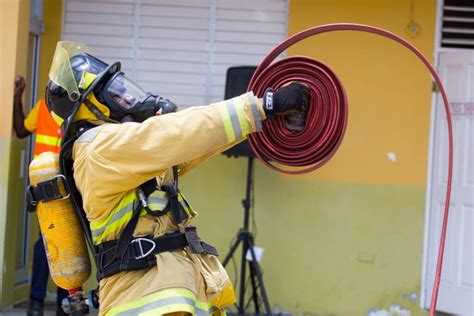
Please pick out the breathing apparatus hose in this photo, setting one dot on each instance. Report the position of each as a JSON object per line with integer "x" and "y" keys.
{"x": 326, "y": 120}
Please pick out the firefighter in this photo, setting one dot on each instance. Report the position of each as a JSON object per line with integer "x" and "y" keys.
{"x": 128, "y": 149}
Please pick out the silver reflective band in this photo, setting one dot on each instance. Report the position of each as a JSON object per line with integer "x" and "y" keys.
{"x": 269, "y": 100}
{"x": 139, "y": 240}
{"x": 256, "y": 114}
{"x": 141, "y": 197}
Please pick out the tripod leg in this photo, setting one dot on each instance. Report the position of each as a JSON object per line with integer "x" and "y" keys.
{"x": 259, "y": 277}
{"x": 241, "y": 306}
{"x": 254, "y": 285}
{"x": 231, "y": 251}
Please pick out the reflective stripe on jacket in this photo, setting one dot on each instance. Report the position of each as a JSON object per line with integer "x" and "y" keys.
{"x": 106, "y": 229}
{"x": 166, "y": 300}
{"x": 48, "y": 133}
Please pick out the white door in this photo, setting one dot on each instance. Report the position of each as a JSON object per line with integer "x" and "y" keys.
{"x": 456, "y": 294}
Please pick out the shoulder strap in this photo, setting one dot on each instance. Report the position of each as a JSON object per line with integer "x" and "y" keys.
{"x": 66, "y": 165}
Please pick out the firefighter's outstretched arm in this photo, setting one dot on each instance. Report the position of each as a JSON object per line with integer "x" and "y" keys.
{"x": 137, "y": 152}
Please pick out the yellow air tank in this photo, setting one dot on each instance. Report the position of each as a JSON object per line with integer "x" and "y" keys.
{"x": 64, "y": 242}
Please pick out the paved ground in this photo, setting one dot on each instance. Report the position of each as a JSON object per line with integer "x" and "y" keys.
{"x": 49, "y": 310}
{"x": 22, "y": 312}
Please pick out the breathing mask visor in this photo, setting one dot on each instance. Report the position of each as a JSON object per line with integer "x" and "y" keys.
{"x": 129, "y": 102}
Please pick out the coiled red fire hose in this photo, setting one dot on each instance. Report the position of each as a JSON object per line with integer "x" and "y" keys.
{"x": 312, "y": 147}
{"x": 327, "y": 116}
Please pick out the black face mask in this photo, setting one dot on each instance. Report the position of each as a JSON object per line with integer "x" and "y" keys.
{"x": 152, "y": 106}
{"x": 130, "y": 103}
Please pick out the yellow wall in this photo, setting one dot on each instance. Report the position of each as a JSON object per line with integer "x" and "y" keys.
{"x": 14, "y": 19}
{"x": 52, "y": 13}
{"x": 387, "y": 86}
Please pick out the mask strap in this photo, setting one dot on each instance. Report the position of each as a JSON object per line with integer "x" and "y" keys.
{"x": 97, "y": 112}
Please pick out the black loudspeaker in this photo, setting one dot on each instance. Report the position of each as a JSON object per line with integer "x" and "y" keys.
{"x": 236, "y": 83}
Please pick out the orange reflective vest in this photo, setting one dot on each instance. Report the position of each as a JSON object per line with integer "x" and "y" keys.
{"x": 48, "y": 132}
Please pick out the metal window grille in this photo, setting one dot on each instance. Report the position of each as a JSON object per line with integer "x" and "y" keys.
{"x": 458, "y": 24}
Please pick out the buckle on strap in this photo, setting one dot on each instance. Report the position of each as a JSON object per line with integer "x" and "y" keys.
{"x": 139, "y": 241}
{"x": 46, "y": 191}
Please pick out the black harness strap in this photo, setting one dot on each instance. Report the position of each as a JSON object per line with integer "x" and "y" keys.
{"x": 66, "y": 165}
{"x": 139, "y": 253}
{"x": 179, "y": 214}
{"x": 127, "y": 235}
{"x": 149, "y": 186}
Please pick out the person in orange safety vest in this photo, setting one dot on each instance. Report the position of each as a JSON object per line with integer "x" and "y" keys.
{"x": 47, "y": 138}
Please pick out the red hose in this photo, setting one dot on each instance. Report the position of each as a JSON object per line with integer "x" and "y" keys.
{"x": 327, "y": 116}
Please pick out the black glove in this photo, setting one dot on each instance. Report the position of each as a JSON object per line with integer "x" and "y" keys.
{"x": 296, "y": 122}
{"x": 287, "y": 99}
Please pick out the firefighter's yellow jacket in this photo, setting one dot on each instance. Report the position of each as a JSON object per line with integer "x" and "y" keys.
{"x": 112, "y": 160}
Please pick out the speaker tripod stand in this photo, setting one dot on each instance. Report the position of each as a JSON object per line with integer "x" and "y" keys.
{"x": 245, "y": 237}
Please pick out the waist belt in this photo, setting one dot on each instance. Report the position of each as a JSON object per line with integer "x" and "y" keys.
{"x": 139, "y": 253}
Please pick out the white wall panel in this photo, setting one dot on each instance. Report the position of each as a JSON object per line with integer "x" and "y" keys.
{"x": 191, "y": 45}
{"x": 176, "y": 55}
{"x": 181, "y": 3}
{"x": 149, "y": 33}
{"x": 104, "y": 41}
{"x": 103, "y": 18}
{"x": 106, "y": 26}
{"x": 167, "y": 22}
{"x": 166, "y": 66}
{"x": 99, "y": 6}
{"x": 245, "y": 37}
{"x": 171, "y": 77}
{"x": 248, "y": 37}
{"x": 177, "y": 10}
{"x": 98, "y": 29}
{"x": 250, "y": 48}
{"x": 254, "y": 15}
{"x": 180, "y": 49}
